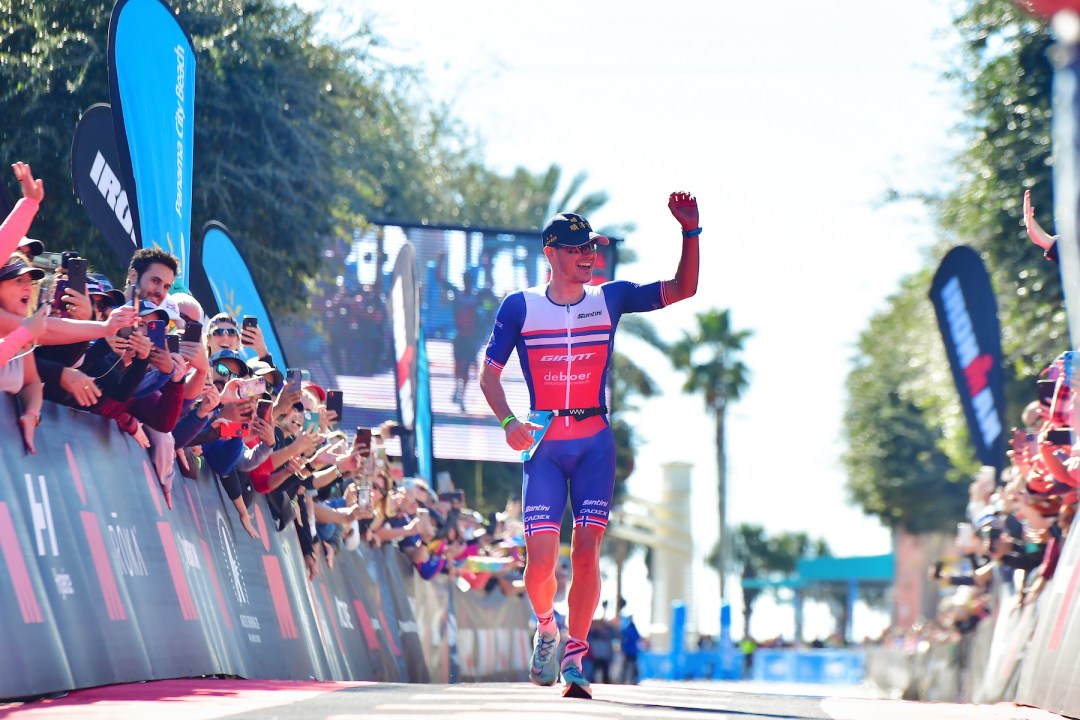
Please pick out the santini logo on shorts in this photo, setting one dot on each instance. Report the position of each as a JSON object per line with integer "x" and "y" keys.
{"x": 588, "y": 315}
{"x": 563, "y": 358}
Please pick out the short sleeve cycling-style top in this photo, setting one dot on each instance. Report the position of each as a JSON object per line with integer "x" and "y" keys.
{"x": 565, "y": 350}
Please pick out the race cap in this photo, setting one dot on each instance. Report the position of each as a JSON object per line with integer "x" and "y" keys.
{"x": 99, "y": 285}
{"x": 569, "y": 230}
{"x": 242, "y": 369}
{"x": 17, "y": 267}
{"x": 146, "y": 309}
{"x": 273, "y": 376}
{"x": 31, "y": 247}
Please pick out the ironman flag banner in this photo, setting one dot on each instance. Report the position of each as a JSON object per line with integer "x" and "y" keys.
{"x": 152, "y": 90}
{"x": 967, "y": 316}
{"x": 95, "y": 170}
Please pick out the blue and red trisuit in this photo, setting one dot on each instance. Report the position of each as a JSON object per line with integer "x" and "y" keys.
{"x": 565, "y": 353}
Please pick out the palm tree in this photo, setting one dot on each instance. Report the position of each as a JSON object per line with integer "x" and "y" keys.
{"x": 771, "y": 558}
{"x": 710, "y": 358}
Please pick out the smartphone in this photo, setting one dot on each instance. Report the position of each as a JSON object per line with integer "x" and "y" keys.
{"x": 1045, "y": 388}
{"x": 58, "y": 304}
{"x": 172, "y": 343}
{"x": 335, "y": 403}
{"x": 248, "y": 321}
{"x": 125, "y": 332}
{"x": 292, "y": 379}
{"x": 363, "y": 497}
{"x": 362, "y": 441}
{"x": 76, "y": 274}
{"x": 155, "y": 330}
{"x": 192, "y": 332}
{"x": 1060, "y": 436}
{"x": 232, "y": 429}
{"x": 264, "y": 408}
{"x": 311, "y": 420}
{"x": 251, "y": 387}
{"x": 1071, "y": 366}
{"x": 305, "y": 376}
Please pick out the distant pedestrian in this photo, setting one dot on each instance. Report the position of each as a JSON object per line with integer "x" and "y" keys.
{"x": 630, "y": 640}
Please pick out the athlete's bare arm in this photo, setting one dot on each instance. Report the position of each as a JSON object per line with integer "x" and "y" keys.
{"x": 683, "y": 207}
{"x": 518, "y": 436}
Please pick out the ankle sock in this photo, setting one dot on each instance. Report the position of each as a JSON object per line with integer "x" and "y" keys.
{"x": 575, "y": 650}
{"x": 546, "y": 623}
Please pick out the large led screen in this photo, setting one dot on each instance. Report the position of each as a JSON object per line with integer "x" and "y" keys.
{"x": 464, "y": 275}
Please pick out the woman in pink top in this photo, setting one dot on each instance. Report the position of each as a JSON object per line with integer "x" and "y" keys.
{"x": 18, "y": 222}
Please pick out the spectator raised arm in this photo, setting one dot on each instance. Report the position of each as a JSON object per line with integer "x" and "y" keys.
{"x": 18, "y": 222}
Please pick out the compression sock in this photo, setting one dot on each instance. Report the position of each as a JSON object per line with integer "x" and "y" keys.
{"x": 575, "y": 650}
{"x": 546, "y": 623}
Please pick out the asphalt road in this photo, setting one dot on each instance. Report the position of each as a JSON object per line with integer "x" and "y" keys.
{"x": 210, "y": 699}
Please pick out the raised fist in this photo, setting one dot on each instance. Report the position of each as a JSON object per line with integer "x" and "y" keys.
{"x": 683, "y": 207}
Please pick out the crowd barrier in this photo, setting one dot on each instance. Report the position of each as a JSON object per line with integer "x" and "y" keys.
{"x": 1021, "y": 653}
{"x": 101, "y": 583}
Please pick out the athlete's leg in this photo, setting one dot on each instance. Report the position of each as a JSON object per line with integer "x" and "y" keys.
{"x": 584, "y": 594}
{"x": 540, "y": 561}
{"x": 592, "y": 481}
{"x": 543, "y": 500}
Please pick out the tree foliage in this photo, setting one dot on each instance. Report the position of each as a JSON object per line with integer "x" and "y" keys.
{"x": 909, "y": 451}
{"x": 897, "y": 463}
{"x": 710, "y": 356}
{"x": 759, "y": 556}
{"x": 298, "y": 137}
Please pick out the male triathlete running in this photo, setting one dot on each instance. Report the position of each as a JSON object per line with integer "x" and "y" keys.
{"x": 563, "y": 335}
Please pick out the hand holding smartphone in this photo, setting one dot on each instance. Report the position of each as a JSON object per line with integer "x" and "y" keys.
{"x": 231, "y": 429}
{"x": 155, "y": 330}
{"x": 192, "y": 332}
{"x": 335, "y": 403}
{"x": 246, "y": 323}
{"x": 362, "y": 441}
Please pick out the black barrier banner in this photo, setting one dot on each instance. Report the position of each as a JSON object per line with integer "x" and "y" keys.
{"x": 95, "y": 175}
{"x": 101, "y": 583}
{"x": 968, "y": 318}
{"x": 152, "y": 91}
{"x": 403, "y": 305}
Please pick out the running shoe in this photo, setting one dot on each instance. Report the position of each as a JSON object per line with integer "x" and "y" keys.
{"x": 576, "y": 684}
{"x": 544, "y": 669}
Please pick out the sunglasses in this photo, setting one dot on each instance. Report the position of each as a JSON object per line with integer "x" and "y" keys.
{"x": 225, "y": 331}
{"x": 224, "y": 371}
{"x": 586, "y": 249}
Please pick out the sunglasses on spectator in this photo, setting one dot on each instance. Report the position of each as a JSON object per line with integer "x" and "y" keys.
{"x": 586, "y": 249}
{"x": 223, "y": 370}
{"x": 219, "y": 331}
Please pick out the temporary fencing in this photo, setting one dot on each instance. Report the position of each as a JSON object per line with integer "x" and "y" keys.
{"x": 101, "y": 583}
{"x": 1023, "y": 652}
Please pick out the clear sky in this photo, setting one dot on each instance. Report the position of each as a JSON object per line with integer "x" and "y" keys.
{"x": 790, "y": 121}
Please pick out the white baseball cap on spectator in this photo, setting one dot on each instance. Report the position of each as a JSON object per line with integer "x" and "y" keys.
{"x": 188, "y": 307}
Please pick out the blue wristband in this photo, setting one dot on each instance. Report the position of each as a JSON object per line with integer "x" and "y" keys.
{"x": 691, "y": 233}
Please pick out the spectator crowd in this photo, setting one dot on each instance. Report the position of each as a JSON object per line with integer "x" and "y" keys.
{"x": 1016, "y": 525}
{"x": 203, "y": 392}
